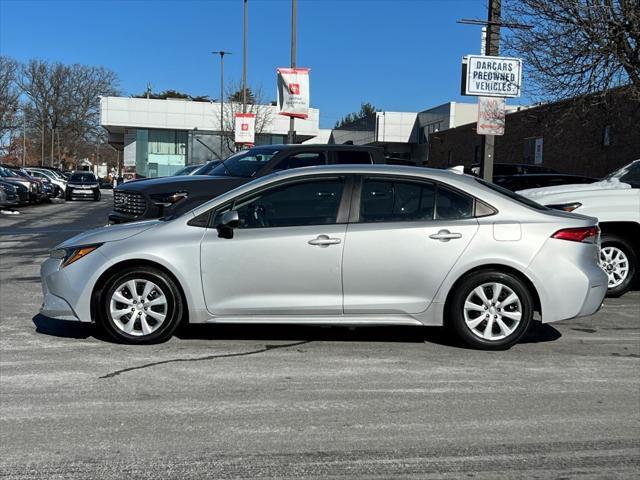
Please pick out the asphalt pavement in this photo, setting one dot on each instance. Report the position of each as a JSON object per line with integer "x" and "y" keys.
{"x": 303, "y": 402}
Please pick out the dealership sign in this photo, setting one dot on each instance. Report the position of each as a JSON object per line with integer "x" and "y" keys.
{"x": 491, "y": 113}
{"x": 491, "y": 76}
{"x": 293, "y": 92}
{"x": 245, "y": 128}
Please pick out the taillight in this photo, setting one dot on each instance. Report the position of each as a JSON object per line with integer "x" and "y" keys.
{"x": 582, "y": 234}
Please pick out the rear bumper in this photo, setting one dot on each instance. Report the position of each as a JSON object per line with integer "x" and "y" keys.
{"x": 570, "y": 282}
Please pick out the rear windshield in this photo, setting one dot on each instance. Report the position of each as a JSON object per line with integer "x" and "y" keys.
{"x": 82, "y": 177}
{"x": 512, "y": 195}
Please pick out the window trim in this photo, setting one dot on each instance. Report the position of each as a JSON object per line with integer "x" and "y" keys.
{"x": 354, "y": 215}
{"x": 342, "y": 216}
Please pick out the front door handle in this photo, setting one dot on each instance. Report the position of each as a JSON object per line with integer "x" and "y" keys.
{"x": 324, "y": 241}
{"x": 445, "y": 236}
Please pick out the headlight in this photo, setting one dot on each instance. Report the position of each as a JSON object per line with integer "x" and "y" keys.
{"x": 567, "y": 207}
{"x": 167, "y": 199}
{"x": 72, "y": 254}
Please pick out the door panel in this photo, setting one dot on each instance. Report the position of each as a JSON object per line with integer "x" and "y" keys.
{"x": 274, "y": 271}
{"x": 397, "y": 267}
{"x": 285, "y": 257}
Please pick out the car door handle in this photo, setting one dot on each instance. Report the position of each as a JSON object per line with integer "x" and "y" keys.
{"x": 445, "y": 236}
{"x": 324, "y": 241}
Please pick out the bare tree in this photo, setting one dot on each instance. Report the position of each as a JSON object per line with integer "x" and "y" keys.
{"x": 9, "y": 97}
{"x": 576, "y": 47}
{"x": 63, "y": 103}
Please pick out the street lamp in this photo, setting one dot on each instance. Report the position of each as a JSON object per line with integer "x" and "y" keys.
{"x": 222, "y": 53}
{"x": 291, "y": 136}
{"x": 244, "y": 57}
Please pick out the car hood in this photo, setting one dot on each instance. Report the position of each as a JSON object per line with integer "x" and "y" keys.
{"x": 109, "y": 233}
{"x": 538, "y": 193}
{"x": 165, "y": 183}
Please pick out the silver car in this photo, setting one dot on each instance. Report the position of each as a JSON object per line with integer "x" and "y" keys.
{"x": 339, "y": 245}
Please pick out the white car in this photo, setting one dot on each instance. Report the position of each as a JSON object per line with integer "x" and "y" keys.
{"x": 615, "y": 201}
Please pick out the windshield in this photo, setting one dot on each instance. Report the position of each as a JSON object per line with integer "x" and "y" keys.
{"x": 511, "y": 195}
{"x": 628, "y": 174}
{"x": 245, "y": 163}
{"x": 82, "y": 177}
{"x": 207, "y": 168}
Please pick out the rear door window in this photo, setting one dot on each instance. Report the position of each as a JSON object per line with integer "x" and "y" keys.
{"x": 355, "y": 157}
{"x": 452, "y": 205}
{"x": 302, "y": 159}
{"x": 396, "y": 201}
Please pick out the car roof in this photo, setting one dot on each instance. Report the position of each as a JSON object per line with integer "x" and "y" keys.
{"x": 326, "y": 146}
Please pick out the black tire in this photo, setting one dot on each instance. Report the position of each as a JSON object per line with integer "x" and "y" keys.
{"x": 456, "y": 310}
{"x": 622, "y": 244}
{"x": 173, "y": 313}
{"x": 96, "y": 198}
{"x": 67, "y": 197}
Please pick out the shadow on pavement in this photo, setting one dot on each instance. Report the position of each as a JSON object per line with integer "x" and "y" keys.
{"x": 399, "y": 334}
{"x": 65, "y": 328}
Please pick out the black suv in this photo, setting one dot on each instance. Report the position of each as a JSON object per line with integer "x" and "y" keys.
{"x": 165, "y": 196}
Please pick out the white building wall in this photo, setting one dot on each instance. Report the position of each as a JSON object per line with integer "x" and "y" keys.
{"x": 187, "y": 115}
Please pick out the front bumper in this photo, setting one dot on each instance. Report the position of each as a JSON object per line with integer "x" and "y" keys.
{"x": 83, "y": 192}
{"x": 54, "y": 306}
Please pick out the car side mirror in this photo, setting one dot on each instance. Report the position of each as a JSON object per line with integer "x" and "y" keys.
{"x": 229, "y": 221}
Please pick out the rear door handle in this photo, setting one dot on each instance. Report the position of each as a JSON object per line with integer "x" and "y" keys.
{"x": 445, "y": 236}
{"x": 324, "y": 241}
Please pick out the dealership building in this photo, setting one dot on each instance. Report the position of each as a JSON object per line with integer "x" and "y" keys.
{"x": 159, "y": 137}
{"x": 406, "y": 135}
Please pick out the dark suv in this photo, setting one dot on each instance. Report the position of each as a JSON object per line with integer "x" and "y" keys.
{"x": 165, "y": 196}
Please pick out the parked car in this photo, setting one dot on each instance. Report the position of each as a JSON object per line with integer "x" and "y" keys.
{"x": 21, "y": 192}
{"x": 615, "y": 200}
{"x": 346, "y": 245}
{"x": 83, "y": 185}
{"x": 511, "y": 169}
{"x": 8, "y": 194}
{"x": 188, "y": 170}
{"x": 165, "y": 196}
{"x": 539, "y": 180}
{"x": 60, "y": 186}
{"x": 34, "y": 188}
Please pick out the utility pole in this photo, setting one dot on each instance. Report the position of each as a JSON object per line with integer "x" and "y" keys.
{"x": 244, "y": 57}
{"x": 291, "y": 136}
{"x": 24, "y": 137}
{"x": 492, "y": 48}
{"x": 53, "y": 142}
{"x": 222, "y": 53}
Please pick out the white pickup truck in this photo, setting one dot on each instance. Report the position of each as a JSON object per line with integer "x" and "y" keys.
{"x": 615, "y": 201}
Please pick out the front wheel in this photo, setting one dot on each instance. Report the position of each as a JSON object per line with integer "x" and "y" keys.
{"x": 141, "y": 305}
{"x": 619, "y": 260}
{"x": 491, "y": 310}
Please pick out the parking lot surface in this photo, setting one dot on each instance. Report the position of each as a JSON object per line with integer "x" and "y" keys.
{"x": 303, "y": 402}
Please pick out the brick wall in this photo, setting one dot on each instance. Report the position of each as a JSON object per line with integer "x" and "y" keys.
{"x": 572, "y": 132}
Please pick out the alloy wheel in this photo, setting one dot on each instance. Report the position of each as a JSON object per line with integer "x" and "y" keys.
{"x": 616, "y": 265}
{"x": 138, "y": 307}
{"x": 492, "y": 311}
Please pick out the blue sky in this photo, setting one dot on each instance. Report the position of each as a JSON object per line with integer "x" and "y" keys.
{"x": 399, "y": 55}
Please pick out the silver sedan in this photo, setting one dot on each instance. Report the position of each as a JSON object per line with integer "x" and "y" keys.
{"x": 363, "y": 245}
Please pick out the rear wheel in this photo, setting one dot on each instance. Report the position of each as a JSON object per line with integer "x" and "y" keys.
{"x": 491, "y": 310}
{"x": 619, "y": 260}
{"x": 141, "y": 305}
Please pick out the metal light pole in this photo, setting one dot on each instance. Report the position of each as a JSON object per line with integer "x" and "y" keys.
{"x": 291, "y": 135}
{"x": 244, "y": 57}
{"x": 222, "y": 53}
{"x": 24, "y": 137}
